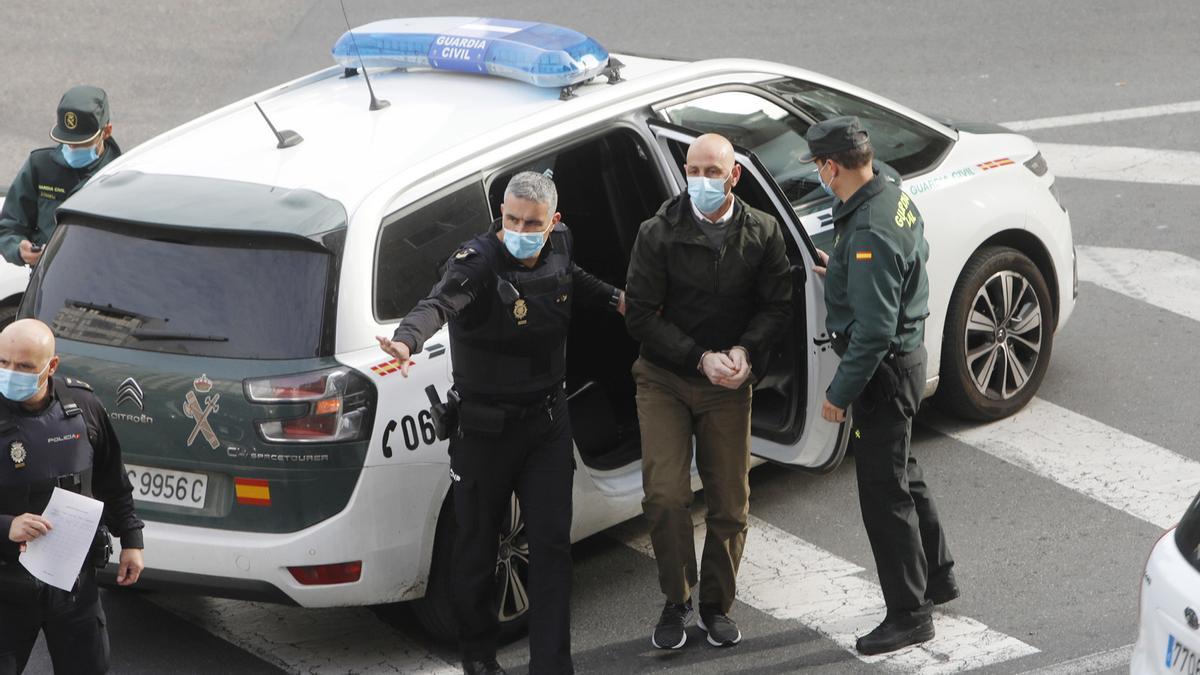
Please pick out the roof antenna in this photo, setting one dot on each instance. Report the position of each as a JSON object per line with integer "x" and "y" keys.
{"x": 287, "y": 137}
{"x": 376, "y": 104}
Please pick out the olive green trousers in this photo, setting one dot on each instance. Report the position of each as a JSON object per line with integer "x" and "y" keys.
{"x": 672, "y": 411}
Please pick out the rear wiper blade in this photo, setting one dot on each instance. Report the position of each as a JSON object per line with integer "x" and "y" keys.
{"x": 106, "y": 309}
{"x": 164, "y": 335}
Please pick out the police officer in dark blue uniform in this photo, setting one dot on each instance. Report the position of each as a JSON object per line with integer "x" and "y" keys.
{"x": 54, "y": 433}
{"x": 507, "y": 295}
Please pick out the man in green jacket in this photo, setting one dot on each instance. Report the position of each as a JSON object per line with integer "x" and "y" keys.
{"x": 708, "y": 291}
{"x": 85, "y": 145}
{"x": 876, "y": 293}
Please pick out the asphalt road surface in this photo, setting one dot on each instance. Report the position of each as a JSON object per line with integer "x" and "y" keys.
{"x": 1050, "y": 514}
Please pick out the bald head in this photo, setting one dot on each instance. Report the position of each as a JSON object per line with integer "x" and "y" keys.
{"x": 710, "y": 151}
{"x": 29, "y": 337}
{"x": 27, "y": 346}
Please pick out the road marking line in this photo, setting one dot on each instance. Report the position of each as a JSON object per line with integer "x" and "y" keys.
{"x": 305, "y": 640}
{"x": 1092, "y": 663}
{"x": 1161, "y": 278}
{"x": 1106, "y": 116}
{"x": 1131, "y": 165}
{"x": 1090, "y": 457}
{"x": 791, "y": 579}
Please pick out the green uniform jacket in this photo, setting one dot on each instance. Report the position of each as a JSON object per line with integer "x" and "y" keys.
{"x": 684, "y": 297}
{"x": 43, "y": 183}
{"x": 876, "y": 288}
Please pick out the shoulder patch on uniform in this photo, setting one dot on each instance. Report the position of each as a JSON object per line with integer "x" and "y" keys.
{"x": 78, "y": 384}
{"x": 464, "y": 253}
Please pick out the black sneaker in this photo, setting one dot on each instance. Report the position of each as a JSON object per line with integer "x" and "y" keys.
{"x": 722, "y": 631}
{"x": 892, "y": 635}
{"x": 486, "y": 667}
{"x": 670, "y": 633}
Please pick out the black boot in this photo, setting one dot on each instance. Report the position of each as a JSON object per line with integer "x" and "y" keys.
{"x": 893, "y": 634}
{"x": 485, "y": 667}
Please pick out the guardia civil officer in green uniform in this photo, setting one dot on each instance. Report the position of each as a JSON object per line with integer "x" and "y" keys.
{"x": 83, "y": 134}
{"x": 508, "y": 295}
{"x": 876, "y": 294}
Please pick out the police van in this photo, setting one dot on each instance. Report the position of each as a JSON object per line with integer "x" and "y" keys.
{"x": 221, "y": 285}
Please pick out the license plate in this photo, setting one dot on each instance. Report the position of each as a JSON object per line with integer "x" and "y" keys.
{"x": 1181, "y": 658}
{"x": 163, "y": 486}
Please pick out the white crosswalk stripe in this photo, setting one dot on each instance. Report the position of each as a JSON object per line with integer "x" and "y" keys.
{"x": 1090, "y": 457}
{"x": 1130, "y": 165}
{"x": 299, "y": 640}
{"x": 1160, "y": 278}
{"x": 791, "y": 579}
{"x": 1106, "y": 116}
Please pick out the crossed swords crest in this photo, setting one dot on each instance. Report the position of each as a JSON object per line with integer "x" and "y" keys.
{"x": 191, "y": 408}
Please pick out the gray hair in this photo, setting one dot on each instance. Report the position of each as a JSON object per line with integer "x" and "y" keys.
{"x": 533, "y": 187}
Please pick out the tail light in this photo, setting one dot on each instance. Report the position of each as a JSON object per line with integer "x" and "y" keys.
{"x": 322, "y": 575}
{"x": 340, "y": 406}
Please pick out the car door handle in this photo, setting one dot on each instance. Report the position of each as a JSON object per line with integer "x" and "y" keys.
{"x": 435, "y": 350}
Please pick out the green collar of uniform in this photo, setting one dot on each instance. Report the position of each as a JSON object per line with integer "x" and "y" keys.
{"x": 867, "y": 191}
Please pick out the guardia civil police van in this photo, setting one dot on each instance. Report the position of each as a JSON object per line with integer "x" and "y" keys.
{"x": 220, "y": 288}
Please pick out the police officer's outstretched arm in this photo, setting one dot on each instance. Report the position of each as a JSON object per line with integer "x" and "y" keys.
{"x": 110, "y": 484}
{"x": 773, "y": 297}
{"x": 873, "y": 287}
{"x": 467, "y": 274}
{"x": 18, "y": 216}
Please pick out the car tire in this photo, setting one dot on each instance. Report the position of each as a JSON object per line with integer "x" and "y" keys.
{"x": 999, "y": 336}
{"x": 435, "y": 611}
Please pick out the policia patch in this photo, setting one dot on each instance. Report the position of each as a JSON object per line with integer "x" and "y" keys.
{"x": 17, "y": 452}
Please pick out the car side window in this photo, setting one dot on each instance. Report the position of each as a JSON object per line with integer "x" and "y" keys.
{"x": 772, "y": 133}
{"x": 907, "y": 146}
{"x": 415, "y": 242}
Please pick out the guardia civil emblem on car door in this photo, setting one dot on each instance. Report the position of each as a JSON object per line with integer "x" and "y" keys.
{"x": 191, "y": 408}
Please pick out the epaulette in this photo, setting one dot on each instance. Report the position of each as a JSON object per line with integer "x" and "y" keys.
{"x": 464, "y": 253}
{"x": 78, "y": 384}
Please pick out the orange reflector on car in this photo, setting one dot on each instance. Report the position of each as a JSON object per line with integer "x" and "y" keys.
{"x": 320, "y": 575}
{"x": 252, "y": 491}
{"x": 329, "y": 406}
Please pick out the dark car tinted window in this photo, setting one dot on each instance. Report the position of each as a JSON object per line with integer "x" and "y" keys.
{"x": 907, "y": 146}
{"x": 1187, "y": 535}
{"x": 244, "y": 297}
{"x": 416, "y": 242}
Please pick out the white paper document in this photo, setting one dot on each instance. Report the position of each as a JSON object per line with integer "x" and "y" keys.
{"x": 57, "y": 557}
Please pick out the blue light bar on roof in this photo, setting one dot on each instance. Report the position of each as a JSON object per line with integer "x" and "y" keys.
{"x": 540, "y": 54}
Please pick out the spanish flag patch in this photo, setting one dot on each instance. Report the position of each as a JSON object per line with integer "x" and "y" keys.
{"x": 862, "y": 255}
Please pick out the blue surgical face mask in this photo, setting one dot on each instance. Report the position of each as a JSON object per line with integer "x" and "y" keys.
{"x": 708, "y": 194}
{"x": 824, "y": 186}
{"x": 523, "y": 245}
{"x": 16, "y": 386}
{"x": 78, "y": 158}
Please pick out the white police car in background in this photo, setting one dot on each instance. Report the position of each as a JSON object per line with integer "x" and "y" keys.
{"x": 1169, "y": 605}
{"x": 275, "y": 451}
{"x": 13, "y": 280}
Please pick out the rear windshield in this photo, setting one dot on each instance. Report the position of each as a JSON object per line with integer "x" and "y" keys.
{"x": 243, "y": 296}
{"x": 1187, "y": 535}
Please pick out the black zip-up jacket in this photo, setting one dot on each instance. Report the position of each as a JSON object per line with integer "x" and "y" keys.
{"x": 684, "y": 297}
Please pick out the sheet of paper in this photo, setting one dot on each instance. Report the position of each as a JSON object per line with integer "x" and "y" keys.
{"x": 57, "y": 557}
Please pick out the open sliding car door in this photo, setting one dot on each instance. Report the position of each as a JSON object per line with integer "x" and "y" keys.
{"x": 788, "y": 396}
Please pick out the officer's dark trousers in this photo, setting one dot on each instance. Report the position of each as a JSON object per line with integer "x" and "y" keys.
{"x": 897, "y": 508}
{"x": 72, "y": 622}
{"x": 532, "y": 457}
